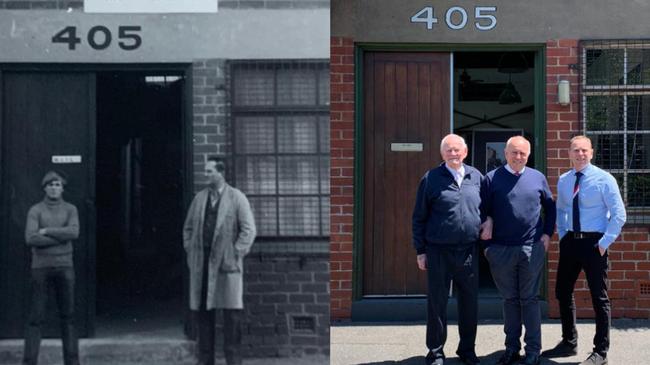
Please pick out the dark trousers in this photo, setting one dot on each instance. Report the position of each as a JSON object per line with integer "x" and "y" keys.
{"x": 443, "y": 265}
{"x": 577, "y": 255}
{"x": 516, "y": 271}
{"x": 232, "y": 326}
{"x": 62, "y": 279}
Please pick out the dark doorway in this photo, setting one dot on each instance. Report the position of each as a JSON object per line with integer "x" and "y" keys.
{"x": 494, "y": 99}
{"x": 139, "y": 202}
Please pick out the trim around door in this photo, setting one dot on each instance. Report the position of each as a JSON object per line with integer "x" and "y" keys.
{"x": 359, "y": 52}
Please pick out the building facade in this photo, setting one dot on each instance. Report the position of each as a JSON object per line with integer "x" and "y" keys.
{"x": 130, "y": 106}
{"x": 405, "y": 74}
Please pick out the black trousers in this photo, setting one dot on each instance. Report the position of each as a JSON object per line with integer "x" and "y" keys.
{"x": 577, "y": 255}
{"x": 232, "y": 326}
{"x": 62, "y": 279}
{"x": 443, "y": 265}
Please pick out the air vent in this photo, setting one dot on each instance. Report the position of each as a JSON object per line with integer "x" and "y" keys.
{"x": 304, "y": 324}
{"x": 644, "y": 288}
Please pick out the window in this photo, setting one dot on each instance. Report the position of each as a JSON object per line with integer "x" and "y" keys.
{"x": 280, "y": 113}
{"x": 616, "y": 116}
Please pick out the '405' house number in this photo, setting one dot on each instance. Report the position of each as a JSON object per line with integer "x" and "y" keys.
{"x": 456, "y": 17}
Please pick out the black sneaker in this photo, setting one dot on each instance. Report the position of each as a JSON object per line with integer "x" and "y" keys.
{"x": 509, "y": 357}
{"x": 468, "y": 358}
{"x": 530, "y": 359}
{"x": 595, "y": 359}
{"x": 562, "y": 349}
{"x": 435, "y": 358}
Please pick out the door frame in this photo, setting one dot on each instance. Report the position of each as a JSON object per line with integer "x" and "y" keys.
{"x": 359, "y": 51}
{"x": 184, "y": 69}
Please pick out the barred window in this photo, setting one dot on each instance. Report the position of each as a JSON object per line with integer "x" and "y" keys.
{"x": 616, "y": 116}
{"x": 280, "y": 113}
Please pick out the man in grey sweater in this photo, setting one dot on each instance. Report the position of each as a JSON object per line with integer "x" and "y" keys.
{"x": 51, "y": 226}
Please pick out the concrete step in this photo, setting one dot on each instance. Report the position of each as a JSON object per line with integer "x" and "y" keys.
{"x": 117, "y": 351}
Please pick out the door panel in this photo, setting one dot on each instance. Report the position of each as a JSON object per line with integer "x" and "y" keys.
{"x": 406, "y": 100}
{"x": 45, "y": 114}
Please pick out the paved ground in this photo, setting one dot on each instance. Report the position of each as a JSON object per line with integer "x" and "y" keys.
{"x": 403, "y": 344}
{"x": 308, "y": 360}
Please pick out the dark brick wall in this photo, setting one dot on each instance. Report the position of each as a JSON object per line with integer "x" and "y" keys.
{"x": 280, "y": 289}
{"x": 210, "y": 105}
{"x": 223, "y": 4}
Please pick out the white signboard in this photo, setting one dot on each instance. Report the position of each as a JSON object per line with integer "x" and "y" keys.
{"x": 150, "y": 6}
{"x": 406, "y": 147}
{"x": 66, "y": 159}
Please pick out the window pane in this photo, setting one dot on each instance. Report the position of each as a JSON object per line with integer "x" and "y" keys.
{"x": 298, "y": 175}
{"x": 637, "y": 151}
{"x": 604, "y": 113}
{"x": 299, "y": 216}
{"x": 256, "y": 174}
{"x": 325, "y": 216}
{"x": 324, "y": 133}
{"x": 604, "y": 66}
{"x": 608, "y": 151}
{"x": 325, "y": 175}
{"x": 638, "y": 66}
{"x": 254, "y": 135}
{"x": 253, "y": 87}
{"x": 297, "y": 134}
{"x": 324, "y": 87}
{"x": 638, "y": 112}
{"x": 296, "y": 87}
{"x": 265, "y": 213}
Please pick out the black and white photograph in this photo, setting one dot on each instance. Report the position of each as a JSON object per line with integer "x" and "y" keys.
{"x": 164, "y": 182}
{"x": 488, "y": 146}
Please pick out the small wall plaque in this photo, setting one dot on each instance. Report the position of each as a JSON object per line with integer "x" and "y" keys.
{"x": 406, "y": 147}
{"x": 66, "y": 159}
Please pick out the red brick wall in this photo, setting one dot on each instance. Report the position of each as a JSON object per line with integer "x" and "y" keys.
{"x": 629, "y": 261}
{"x": 341, "y": 175}
{"x": 629, "y": 256}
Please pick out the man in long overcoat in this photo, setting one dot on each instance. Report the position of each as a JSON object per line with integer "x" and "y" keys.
{"x": 218, "y": 232}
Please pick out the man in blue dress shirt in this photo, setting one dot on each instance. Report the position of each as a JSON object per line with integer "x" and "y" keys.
{"x": 590, "y": 215}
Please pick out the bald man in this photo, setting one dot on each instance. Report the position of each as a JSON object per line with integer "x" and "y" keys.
{"x": 446, "y": 223}
{"x": 517, "y": 237}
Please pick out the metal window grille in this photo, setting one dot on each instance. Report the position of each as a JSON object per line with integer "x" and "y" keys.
{"x": 280, "y": 114}
{"x": 615, "y": 110}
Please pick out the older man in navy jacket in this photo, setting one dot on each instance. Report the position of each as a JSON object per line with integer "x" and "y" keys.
{"x": 446, "y": 224}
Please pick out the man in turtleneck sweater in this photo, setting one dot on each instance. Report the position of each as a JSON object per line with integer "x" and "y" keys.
{"x": 51, "y": 226}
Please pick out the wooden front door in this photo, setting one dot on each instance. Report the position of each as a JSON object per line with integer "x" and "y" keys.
{"x": 44, "y": 115}
{"x": 406, "y": 106}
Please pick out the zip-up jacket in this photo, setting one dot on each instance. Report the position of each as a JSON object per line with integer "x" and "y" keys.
{"x": 445, "y": 213}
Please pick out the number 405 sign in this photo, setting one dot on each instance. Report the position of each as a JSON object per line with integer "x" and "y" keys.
{"x": 456, "y": 17}
{"x": 100, "y": 37}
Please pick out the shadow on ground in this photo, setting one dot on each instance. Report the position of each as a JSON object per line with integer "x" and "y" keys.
{"x": 487, "y": 359}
